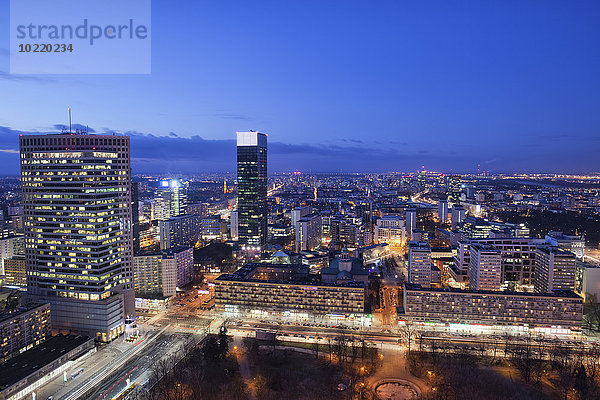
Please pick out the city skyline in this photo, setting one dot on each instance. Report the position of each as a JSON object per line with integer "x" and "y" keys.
{"x": 299, "y": 200}
{"x": 180, "y": 155}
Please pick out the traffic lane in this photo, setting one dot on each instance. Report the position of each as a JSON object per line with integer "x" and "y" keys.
{"x": 144, "y": 361}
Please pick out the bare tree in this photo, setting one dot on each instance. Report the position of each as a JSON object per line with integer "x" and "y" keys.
{"x": 315, "y": 347}
{"x": 408, "y": 332}
{"x": 341, "y": 347}
{"x": 330, "y": 347}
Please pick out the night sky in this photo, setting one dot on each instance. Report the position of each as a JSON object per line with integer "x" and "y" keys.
{"x": 340, "y": 86}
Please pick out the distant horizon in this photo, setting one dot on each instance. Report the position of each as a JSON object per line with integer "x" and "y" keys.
{"x": 174, "y": 154}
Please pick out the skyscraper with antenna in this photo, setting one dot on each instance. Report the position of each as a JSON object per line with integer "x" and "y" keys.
{"x": 78, "y": 230}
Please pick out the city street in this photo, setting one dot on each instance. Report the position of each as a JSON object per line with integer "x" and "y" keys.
{"x": 96, "y": 367}
{"x": 105, "y": 374}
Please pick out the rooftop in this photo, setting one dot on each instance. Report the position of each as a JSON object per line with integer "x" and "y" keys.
{"x": 27, "y": 363}
{"x": 20, "y": 311}
{"x": 556, "y": 251}
{"x": 556, "y": 293}
{"x": 294, "y": 274}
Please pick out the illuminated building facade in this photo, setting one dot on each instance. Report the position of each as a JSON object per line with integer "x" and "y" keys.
{"x": 555, "y": 269}
{"x": 285, "y": 287}
{"x": 78, "y": 230}
{"x": 10, "y": 247}
{"x": 474, "y": 227}
{"x": 213, "y": 227}
{"x": 298, "y": 213}
{"x": 170, "y": 200}
{"x": 308, "y": 233}
{"x": 252, "y": 189}
{"x": 587, "y": 280}
{"x": 518, "y": 257}
{"x": 485, "y": 267}
{"x": 183, "y": 260}
{"x": 151, "y": 278}
{"x": 233, "y": 225}
{"x": 411, "y": 220}
{"x": 458, "y": 215}
{"x": 454, "y": 188}
{"x": 15, "y": 272}
{"x": 557, "y": 310}
{"x": 135, "y": 215}
{"x": 390, "y": 229}
{"x": 7, "y": 229}
{"x": 419, "y": 263}
{"x": 572, "y": 243}
{"x": 158, "y": 274}
{"x": 345, "y": 231}
{"x": 23, "y": 329}
{"x": 443, "y": 210}
{"x": 184, "y": 230}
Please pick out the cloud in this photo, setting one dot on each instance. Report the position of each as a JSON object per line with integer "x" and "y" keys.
{"x": 24, "y": 78}
{"x": 352, "y": 141}
{"x": 239, "y": 117}
{"x": 175, "y": 154}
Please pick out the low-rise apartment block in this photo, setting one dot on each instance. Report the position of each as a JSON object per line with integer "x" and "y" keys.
{"x": 286, "y": 287}
{"x": 559, "y": 309}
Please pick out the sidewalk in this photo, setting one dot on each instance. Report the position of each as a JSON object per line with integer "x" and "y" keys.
{"x": 394, "y": 367}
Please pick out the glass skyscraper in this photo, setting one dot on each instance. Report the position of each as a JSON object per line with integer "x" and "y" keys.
{"x": 78, "y": 230}
{"x": 252, "y": 189}
{"x": 170, "y": 199}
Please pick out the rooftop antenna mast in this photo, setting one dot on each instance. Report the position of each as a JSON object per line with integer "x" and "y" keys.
{"x": 70, "y": 131}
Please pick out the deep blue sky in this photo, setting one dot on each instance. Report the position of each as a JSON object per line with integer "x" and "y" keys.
{"x": 350, "y": 85}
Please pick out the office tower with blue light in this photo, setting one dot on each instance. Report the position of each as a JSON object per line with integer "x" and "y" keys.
{"x": 170, "y": 200}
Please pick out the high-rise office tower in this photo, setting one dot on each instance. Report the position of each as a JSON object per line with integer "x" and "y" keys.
{"x": 485, "y": 267}
{"x": 170, "y": 200}
{"x": 233, "y": 225}
{"x": 411, "y": 220}
{"x": 252, "y": 189}
{"x": 298, "y": 213}
{"x": 421, "y": 178}
{"x": 419, "y": 263}
{"x": 454, "y": 188}
{"x": 443, "y": 210}
{"x": 184, "y": 230}
{"x": 78, "y": 230}
{"x": 458, "y": 215}
{"x": 308, "y": 232}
